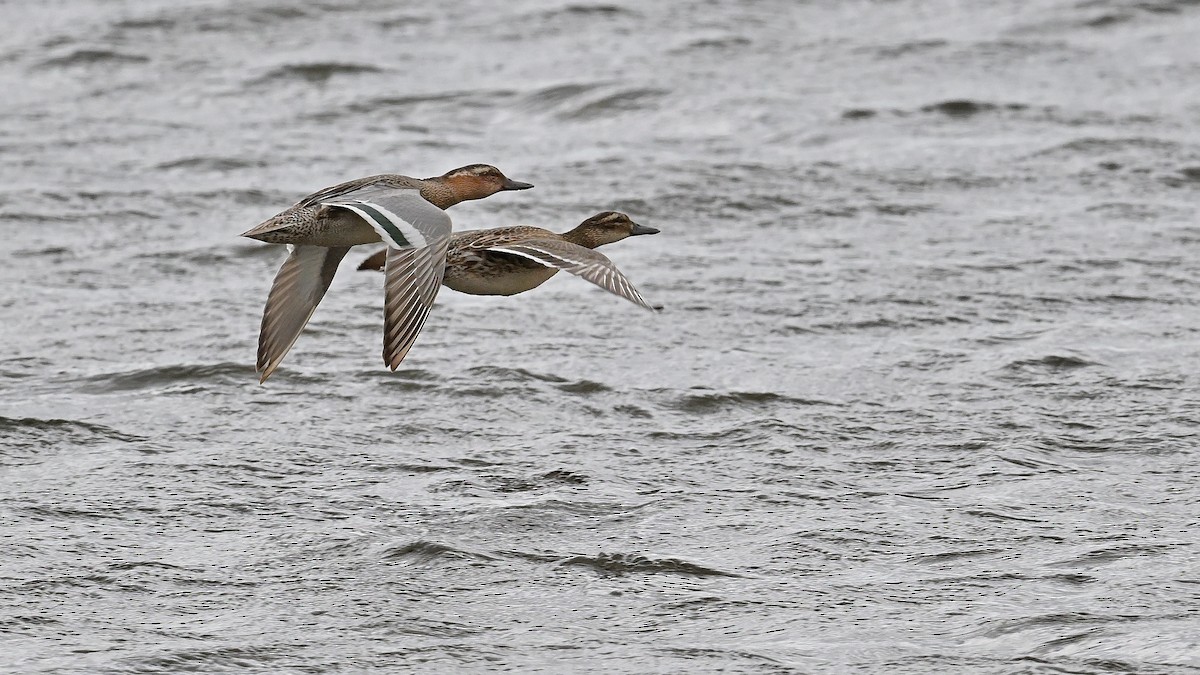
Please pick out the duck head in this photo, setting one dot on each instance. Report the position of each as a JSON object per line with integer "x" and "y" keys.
{"x": 607, "y": 227}
{"x": 476, "y": 181}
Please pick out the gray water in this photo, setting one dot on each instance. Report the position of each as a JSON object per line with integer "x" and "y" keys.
{"x": 923, "y": 398}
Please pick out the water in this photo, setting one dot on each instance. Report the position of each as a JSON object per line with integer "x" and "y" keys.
{"x": 924, "y": 396}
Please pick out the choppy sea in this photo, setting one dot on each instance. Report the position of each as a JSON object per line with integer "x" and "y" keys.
{"x": 923, "y": 399}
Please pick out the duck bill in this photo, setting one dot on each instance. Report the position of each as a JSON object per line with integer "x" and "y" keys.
{"x": 510, "y": 184}
{"x": 642, "y": 229}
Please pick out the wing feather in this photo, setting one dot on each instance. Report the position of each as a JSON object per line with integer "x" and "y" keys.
{"x": 412, "y": 279}
{"x": 578, "y": 260}
{"x": 348, "y": 187}
{"x": 297, "y": 290}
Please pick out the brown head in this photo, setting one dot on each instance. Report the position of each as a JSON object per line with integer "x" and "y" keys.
{"x": 605, "y": 228}
{"x": 476, "y": 181}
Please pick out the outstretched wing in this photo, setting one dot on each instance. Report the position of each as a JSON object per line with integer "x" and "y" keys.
{"x": 298, "y": 288}
{"x": 412, "y": 279}
{"x": 577, "y": 260}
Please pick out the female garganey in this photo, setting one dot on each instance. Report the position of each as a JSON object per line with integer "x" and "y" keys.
{"x": 511, "y": 260}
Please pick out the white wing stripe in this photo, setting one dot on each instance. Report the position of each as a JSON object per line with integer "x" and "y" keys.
{"x": 540, "y": 256}
{"x": 394, "y": 230}
{"x": 598, "y": 270}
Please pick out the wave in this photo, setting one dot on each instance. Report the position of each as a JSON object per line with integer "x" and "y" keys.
{"x": 217, "y": 164}
{"x": 391, "y": 105}
{"x": 424, "y": 552}
{"x": 717, "y": 43}
{"x": 763, "y": 433}
{"x": 509, "y": 376}
{"x": 588, "y": 11}
{"x": 560, "y": 93}
{"x": 1103, "y": 556}
{"x": 584, "y": 387}
{"x": 962, "y": 107}
{"x": 714, "y": 401}
{"x": 889, "y": 52}
{"x": 1050, "y": 363}
{"x": 145, "y": 378}
{"x": 627, "y": 100}
{"x": 209, "y": 19}
{"x": 210, "y": 660}
{"x": 513, "y": 374}
{"x": 1092, "y": 146}
{"x": 965, "y": 108}
{"x": 629, "y": 563}
{"x": 88, "y": 57}
{"x": 317, "y": 72}
{"x": 19, "y": 437}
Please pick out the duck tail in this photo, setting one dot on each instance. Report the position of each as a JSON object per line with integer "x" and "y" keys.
{"x": 272, "y": 231}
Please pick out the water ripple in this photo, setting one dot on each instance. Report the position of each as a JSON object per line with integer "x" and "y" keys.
{"x": 924, "y": 401}
{"x": 318, "y": 72}
{"x": 424, "y": 552}
{"x": 161, "y": 377}
{"x": 27, "y": 436}
{"x": 627, "y": 563}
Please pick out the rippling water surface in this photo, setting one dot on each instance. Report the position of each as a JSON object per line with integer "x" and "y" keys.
{"x": 923, "y": 399}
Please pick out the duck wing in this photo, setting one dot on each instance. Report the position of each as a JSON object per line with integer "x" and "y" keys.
{"x": 417, "y": 234}
{"x": 578, "y": 260}
{"x": 411, "y": 282}
{"x": 351, "y": 189}
{"x": 295, "y": 294}
{"x": 470, "y": 240}
{"x": 385, "y": 181}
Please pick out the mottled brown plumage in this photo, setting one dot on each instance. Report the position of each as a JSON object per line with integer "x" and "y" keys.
{"x": 511, "y": 260}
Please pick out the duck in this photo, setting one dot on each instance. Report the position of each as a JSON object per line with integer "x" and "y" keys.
{"x": 408, "y": 214}
{"x": 511, "y": 260}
